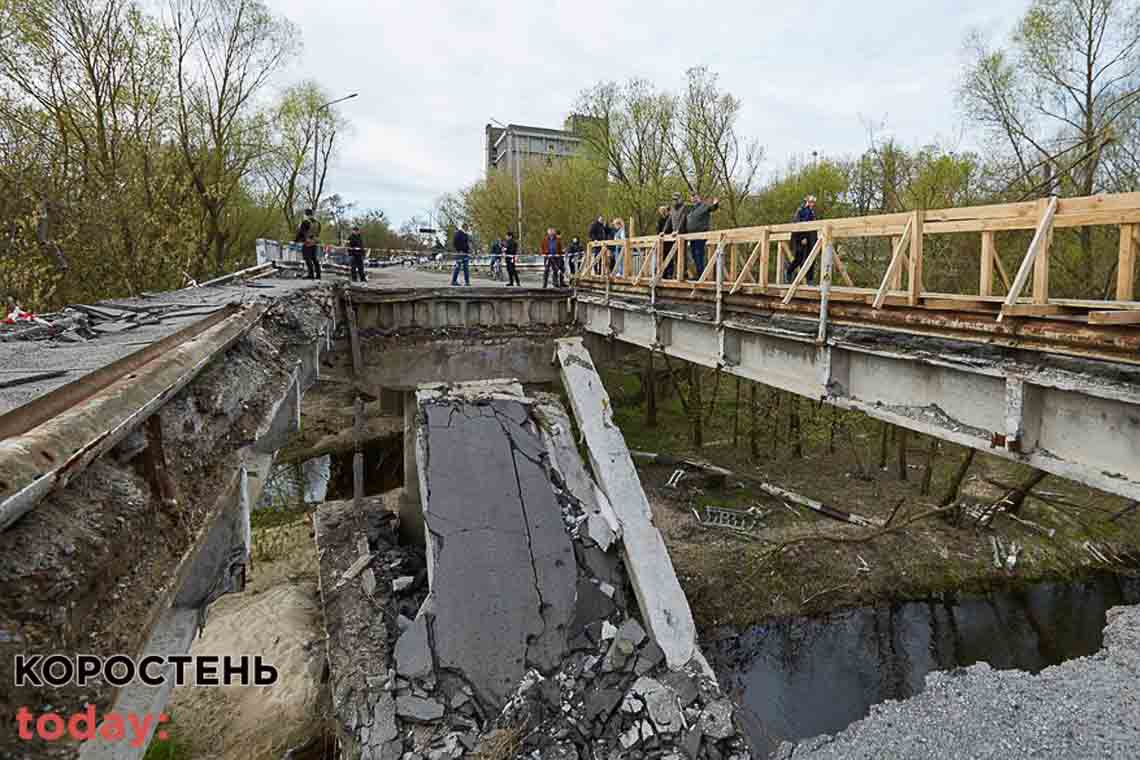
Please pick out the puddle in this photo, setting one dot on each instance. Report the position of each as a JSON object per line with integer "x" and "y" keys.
{"x": 803, "y": 677}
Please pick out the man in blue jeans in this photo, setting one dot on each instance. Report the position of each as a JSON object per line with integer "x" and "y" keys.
{"x": 462, "y": 245}
{"x": 698, "y": 221}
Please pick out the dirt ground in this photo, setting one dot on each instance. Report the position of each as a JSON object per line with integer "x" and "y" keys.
{"x": 797, "y": 562}
{"x": 90, "y": 568}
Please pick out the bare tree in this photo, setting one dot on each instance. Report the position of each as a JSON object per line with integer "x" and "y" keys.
{"x": 705, "y": 147}
{"x": 225, "y": 52}
{"x": 625, "y": 127}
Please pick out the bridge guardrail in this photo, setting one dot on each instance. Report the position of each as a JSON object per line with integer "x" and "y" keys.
{"x": 741, "y": 259}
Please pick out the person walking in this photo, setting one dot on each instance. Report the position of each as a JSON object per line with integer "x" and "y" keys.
{"x": 462, "y": 244}
{"x": 356, "y": 255}
{"x": 803, "y": 242}
{"x": 510, "y": 253}
{"x": 551, "y": 252}
{"x": 698, "y": 221}
{"x": 676, "y": 223}
{"x": 309, "y": 235}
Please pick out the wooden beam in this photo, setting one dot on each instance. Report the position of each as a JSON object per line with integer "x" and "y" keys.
{"x": 896, "y": 281}
{"x": 763, "y": 245}
{"x": 914, "y": 287}
{"x": 894, "y": 269}
{"x": 1116, "y": 317}
{"x": 783, "y": 255}
{"x": 354, "y": 340}
{"x": 1001, "y": 270}
{"x": 646, "y": 261}
{"x": 989, "y": 253}
{"x": 1031, "y": 310}
{"x": 746, "y": 268}
{"x": 1126, "y": 268}
{"x": 804, "y": 269}
{"x": 1041, "y": 263}
{"x": 1043, "y": 227}
{"x": 665, "y": 264}
{"x": 839, "y": 264}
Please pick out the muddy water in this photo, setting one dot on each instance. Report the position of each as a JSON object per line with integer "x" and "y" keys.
{"x": 804, "y": 677}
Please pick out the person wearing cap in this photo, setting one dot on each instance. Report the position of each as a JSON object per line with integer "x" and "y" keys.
{"x": 309, "y": 235}
{"x": 356, "y": 254}
{"x": 803, "y": 242}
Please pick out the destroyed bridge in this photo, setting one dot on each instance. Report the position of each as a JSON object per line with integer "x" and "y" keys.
{"x": 138, "y": 436}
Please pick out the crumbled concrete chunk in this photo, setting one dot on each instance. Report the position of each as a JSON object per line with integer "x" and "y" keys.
{"x": 413, "y": 650}
{"x": 418, "y": 709}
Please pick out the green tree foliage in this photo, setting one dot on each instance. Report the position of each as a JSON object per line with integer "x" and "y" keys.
{"x": 132, "y": 145}
{"x": 565, "y": 195}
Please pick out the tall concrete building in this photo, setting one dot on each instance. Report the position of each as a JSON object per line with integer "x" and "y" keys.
{"x": 516, "y": 143}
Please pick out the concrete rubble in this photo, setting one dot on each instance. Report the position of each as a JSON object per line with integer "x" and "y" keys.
{"x": 524, "y": 644}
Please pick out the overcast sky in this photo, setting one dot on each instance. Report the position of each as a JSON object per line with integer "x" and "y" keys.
{"x": 811, "y": 76}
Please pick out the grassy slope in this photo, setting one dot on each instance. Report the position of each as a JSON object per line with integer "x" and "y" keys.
{"x": 736, "y": 580}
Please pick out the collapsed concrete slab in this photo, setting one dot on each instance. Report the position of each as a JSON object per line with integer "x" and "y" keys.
{"x": 524, "y": 646}
{"x": 493, "y": 524}
{"x": 647, "y": 560}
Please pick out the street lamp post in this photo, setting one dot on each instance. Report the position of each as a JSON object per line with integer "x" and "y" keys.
{"x": 317, "y": 142}
{"x": 513, "y": 147}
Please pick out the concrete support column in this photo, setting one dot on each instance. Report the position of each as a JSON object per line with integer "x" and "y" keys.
{"x": 411, "y": 509}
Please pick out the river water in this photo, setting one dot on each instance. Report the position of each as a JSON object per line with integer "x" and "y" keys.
{"x": 798, "y": 678}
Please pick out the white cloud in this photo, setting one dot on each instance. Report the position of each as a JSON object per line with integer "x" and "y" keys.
{"x": 810, "y": 76}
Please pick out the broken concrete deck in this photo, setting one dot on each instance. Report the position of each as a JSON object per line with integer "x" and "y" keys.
{"x": 524, "y": 630}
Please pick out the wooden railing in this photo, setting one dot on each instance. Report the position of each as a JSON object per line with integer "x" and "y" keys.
{"x": 740, "y": 260}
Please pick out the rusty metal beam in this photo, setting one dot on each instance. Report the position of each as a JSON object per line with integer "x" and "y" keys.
{"x": 44, "y": 456}
{"x": 1055, "y": 336}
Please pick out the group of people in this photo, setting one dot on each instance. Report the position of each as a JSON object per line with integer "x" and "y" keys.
{"x": 309, "y": 237}
{"x": 677, "y": 218}
{"x": 506, "y": 250}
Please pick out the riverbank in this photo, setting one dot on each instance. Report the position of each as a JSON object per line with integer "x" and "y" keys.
{"x": 798, "y": 562}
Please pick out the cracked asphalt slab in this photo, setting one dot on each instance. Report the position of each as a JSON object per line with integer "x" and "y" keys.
{"x": 487, "y": 454}
{"x": 1084, "y": 708}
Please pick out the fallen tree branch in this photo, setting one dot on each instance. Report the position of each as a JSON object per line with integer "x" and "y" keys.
{"x": 865, "y": 538}
{"x": 768, "y": 488}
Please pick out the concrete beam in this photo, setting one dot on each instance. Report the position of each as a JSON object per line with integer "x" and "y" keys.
{"x": 1079, "y": 419}
{"x": 659, "y": 593}
{"x": 456, "y": 360}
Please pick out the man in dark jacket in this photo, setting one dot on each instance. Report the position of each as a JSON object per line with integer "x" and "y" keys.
{"x": 599, "y": 231}
{"x": 803, "y": 242}
{"x": 356, "y": 255}
{"x": 309, "y": 235}
{"x": 510, "y": 252}
{"x": 698, "y": 221}
{"x": 462, "y": 244}
{"x": 551, "y": 258}
{"x": 574, "y": 255}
